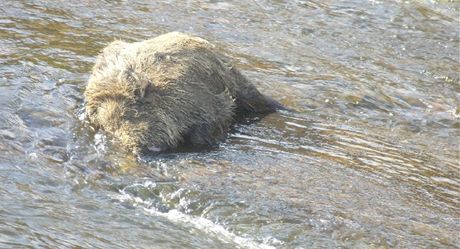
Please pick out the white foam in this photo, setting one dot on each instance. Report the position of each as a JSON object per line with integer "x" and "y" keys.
{"x": 200, "y": 223}
{"x": 209, "y": 228}
{"x": 100, "y": 143}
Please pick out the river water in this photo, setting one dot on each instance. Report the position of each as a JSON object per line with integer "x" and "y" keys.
{"x": 369, "y": 158}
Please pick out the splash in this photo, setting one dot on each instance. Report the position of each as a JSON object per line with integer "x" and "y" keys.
{"x": 200, "y": 223}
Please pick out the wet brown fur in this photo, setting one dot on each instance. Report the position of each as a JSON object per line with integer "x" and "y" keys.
{"x": 166, "y": 91}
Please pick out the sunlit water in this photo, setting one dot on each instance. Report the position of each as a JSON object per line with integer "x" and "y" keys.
{"x": 369, "y": 158}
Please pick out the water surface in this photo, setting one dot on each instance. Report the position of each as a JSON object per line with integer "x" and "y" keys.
{"x": 369, "y": 159}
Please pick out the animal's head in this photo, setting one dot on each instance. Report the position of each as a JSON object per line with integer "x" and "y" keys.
{"x": 123, "y": 102}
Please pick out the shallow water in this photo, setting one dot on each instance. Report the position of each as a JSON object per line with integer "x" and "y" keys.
{"x": 369, "y": 159}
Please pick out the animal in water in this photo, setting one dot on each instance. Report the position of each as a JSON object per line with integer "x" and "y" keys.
{"x": 169, "y": 91}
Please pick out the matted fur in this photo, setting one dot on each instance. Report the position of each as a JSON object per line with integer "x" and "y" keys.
{"x": 173, "y": 89}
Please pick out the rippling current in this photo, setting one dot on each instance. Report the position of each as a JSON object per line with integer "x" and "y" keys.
{"x": 368, "y": 158}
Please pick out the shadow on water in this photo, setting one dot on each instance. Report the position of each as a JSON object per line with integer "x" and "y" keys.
{"x": 368, "y": 158}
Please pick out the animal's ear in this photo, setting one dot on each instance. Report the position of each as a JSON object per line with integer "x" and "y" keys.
{"x": 141, "y": 84}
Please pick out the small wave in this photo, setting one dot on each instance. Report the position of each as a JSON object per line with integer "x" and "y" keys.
{"x": 209, "y": 227}
{"x": 205, "y": 225}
